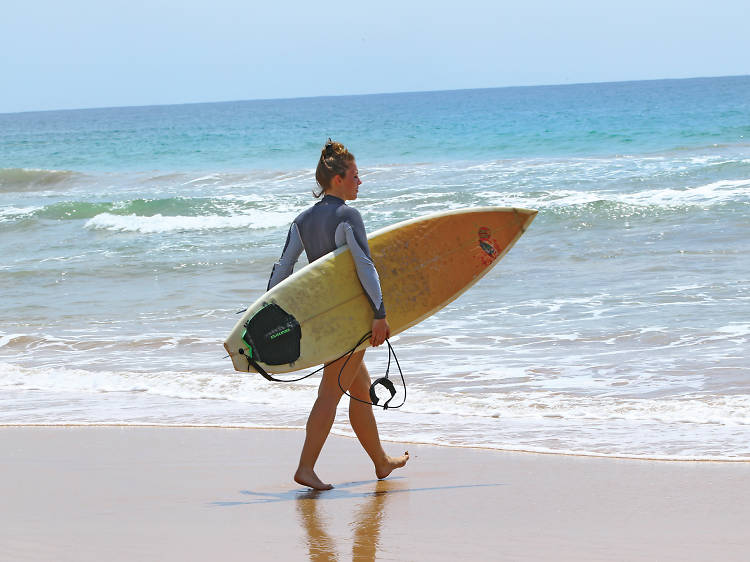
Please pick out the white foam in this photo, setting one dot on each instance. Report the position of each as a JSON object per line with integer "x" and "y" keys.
{"x": 173, "y": 384}
{"x": 5, "y": 339}
{"x": 543, "y": 417}
{"x": 15, "y": 212}
{"x": 547, "y": 396}
{"x": 740, "y": 330}
{"x": 715, "y": 192}
{"x": 696, "y": 409}
{"x": 160, "y": 224}
{"x": 709, "y": 194}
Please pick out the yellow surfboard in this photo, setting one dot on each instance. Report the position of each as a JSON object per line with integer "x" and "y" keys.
{"x": 320, "y": 312}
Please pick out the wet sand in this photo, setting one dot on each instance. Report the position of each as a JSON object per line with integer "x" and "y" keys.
{"x": 158, "y": 493}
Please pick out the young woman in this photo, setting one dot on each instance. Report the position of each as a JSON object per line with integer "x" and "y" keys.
{"x": 327, "y": 225}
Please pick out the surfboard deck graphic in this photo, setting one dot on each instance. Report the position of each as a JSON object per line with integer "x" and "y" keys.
{"x": 320, "y": 312}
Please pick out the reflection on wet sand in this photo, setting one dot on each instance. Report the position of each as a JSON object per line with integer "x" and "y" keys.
{"x": 367, "y": 500}
{"x": 366, "y": 524}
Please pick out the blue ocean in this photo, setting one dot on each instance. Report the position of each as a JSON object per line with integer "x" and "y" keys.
{"x": 618, "y": 325}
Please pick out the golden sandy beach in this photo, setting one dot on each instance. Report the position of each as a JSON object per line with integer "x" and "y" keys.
{"x": 160, "y": 493}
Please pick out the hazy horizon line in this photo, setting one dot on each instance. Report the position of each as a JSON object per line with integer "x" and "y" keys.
{"x": 283, "y": 98}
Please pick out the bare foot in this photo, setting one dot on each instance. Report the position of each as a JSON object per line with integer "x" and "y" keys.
{"x": 391, "y": 464}
{"x": 307, "y": 477}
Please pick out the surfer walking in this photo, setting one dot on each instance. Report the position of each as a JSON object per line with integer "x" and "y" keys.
{"x": 327, "y": 225}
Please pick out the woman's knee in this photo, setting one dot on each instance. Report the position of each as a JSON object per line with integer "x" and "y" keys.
{"x": 342, "y": 375}
{"x": 329, "y": 395}
{"x": 360, "y": 387}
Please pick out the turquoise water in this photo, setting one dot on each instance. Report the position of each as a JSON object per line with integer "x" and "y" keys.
{"x": 550, "y": 121}
{"x": 618, "y": 325}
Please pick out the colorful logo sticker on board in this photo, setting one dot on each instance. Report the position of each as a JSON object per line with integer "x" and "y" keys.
{"x": 487, "y": 244}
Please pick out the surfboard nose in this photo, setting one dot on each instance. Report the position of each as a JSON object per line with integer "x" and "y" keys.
{"x": 528, "y": 216}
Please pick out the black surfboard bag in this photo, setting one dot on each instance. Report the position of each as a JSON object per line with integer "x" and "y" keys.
{"x": 272, "y": 336}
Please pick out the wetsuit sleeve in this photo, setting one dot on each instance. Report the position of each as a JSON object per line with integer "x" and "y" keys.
{"x": 355, "y": 237}
{"x": 289, "y": 256}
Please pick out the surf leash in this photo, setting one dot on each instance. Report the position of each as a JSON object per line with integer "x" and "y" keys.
{"x": 382, "y": 381}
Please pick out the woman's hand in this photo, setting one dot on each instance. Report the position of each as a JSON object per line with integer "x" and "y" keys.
{"x": 380, "y": 331}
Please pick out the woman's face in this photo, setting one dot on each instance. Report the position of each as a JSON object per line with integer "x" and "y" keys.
{"x": 346, "y": 188}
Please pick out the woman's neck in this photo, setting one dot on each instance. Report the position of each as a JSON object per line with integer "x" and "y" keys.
{"x": 335, "y": 196}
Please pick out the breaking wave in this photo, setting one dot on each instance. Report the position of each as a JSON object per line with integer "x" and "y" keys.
{"x": 23, "y": 179}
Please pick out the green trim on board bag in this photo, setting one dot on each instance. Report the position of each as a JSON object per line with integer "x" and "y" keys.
{"x": 247, "y": 345}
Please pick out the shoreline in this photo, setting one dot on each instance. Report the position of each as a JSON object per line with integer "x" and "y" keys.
{"x": 346, "y": 435}
{"x": 169, "y": 493}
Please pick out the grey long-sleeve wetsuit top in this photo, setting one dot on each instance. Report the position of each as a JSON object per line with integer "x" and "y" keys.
{"x": 327, "y": 225}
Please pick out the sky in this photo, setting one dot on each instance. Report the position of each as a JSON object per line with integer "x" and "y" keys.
{"x": 95, "y": 53}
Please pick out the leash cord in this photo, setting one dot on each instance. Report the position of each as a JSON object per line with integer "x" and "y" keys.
{"x": 384, "y": 381}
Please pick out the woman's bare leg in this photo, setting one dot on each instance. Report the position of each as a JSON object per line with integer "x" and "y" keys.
{"x": 366, "y": 428}
{"x": 321, "y": 418}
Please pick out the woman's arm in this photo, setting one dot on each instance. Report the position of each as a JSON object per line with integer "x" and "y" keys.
{"x": 353, "y": 234}
{"x": 368, "y": 275}
{"x": 289, "y": 256}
